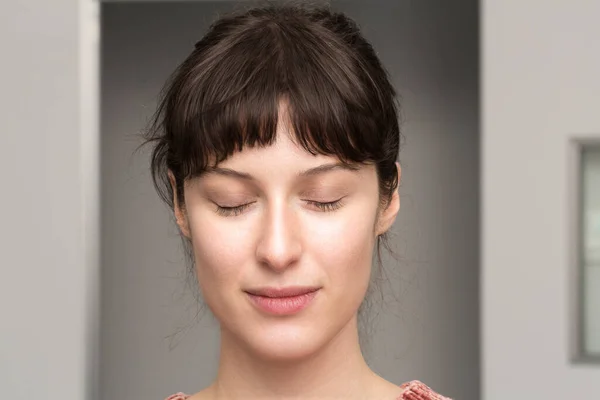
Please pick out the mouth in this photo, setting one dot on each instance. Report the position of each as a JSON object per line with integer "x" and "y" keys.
{"x": 282, "y": 301}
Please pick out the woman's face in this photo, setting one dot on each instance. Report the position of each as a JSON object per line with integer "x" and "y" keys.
{"x": 281, "y": 270}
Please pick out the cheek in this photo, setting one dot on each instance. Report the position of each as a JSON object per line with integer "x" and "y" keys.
{"x": 344, "y": 246}
{"x": 219, "y": 252}
{"x": 339, "y": 245}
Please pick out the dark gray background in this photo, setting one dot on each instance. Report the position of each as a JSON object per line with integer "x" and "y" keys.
{"x": 428, "y": 328}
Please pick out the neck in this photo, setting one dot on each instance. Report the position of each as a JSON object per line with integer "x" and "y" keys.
{"x": 338, "y": 370}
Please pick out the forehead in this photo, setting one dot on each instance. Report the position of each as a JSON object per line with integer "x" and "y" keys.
{"x": 284, "y": 152}
{"x": 282, "y": 159}
{"x": 283, "y": 149}
{"x": 283, "y": 163}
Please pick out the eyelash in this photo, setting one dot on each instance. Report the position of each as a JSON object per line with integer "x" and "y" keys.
{"x": 327, "y": 207}
{"x": 234, "y": 211}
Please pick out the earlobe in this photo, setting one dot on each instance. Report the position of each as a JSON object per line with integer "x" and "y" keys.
{"x": 388, "y": 216}
{"x": 180, "y": 215}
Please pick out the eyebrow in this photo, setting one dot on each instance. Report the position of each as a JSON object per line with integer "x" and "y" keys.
{"x": 309, "y": 172}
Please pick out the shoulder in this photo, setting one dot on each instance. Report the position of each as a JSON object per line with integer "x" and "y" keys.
{"x": 178, "y": 396}
{"x": 412, "y": 390}
{"x": 418, "y": 390}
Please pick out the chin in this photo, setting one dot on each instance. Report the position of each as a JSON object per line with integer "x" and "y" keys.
{"x": 286, "y": 343}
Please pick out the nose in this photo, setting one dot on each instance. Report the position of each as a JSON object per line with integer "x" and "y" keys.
{"x": 279, "y": 246}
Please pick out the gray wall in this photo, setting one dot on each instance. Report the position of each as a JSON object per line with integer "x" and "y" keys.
{"x": 542, "y": 90}
{"x": 47, "y": 206}
{"x": 428, "y": 332}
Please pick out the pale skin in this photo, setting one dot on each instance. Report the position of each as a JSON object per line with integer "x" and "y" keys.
{"x": 280, "y": 237}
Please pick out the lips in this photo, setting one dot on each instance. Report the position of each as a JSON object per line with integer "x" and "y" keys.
{"x": 282, "y": 301}
{"x": 282, "y": 292}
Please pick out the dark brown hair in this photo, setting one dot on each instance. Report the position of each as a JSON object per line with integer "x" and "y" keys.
{"x": 225, "y": 95}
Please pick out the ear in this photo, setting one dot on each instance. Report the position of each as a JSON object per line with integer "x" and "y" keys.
{"x": 180, "y": 215}
{"x": 388, "y": 216}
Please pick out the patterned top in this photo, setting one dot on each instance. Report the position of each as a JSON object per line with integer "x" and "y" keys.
{"x": 413, "y": 390}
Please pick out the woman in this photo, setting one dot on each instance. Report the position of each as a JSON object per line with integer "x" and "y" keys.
{"x": 275, "y": 144}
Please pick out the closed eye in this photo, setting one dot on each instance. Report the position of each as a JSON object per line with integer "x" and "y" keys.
{"x": 328, "y": 206}
{"x": 232, "y": 211}
{"x": 237, "y": 210}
